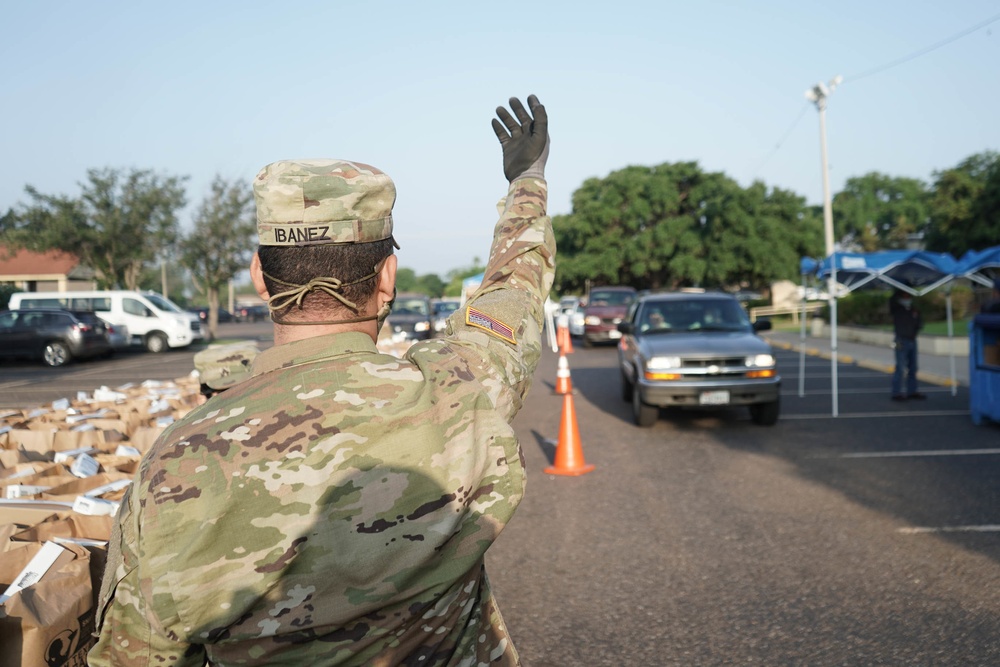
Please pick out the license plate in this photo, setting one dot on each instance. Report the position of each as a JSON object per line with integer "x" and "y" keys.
{"x": 714, "y": 397}
{"x": 614, "y": 333}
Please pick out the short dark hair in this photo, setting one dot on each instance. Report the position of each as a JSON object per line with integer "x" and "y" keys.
{"x": 347, "y": 262}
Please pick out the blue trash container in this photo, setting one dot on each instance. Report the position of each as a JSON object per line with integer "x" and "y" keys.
{"x": 984, "y": 368}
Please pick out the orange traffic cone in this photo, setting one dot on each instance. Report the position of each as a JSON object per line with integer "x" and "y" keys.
{"x": 564, "y": 385}
{"x": 569, "y": 455}
{"x": 565, "y": 341}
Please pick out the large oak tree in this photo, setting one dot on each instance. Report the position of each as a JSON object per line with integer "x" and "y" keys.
{"x": 674, "y": 225}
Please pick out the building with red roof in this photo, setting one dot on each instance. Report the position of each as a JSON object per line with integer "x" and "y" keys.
{"x": 51, "y": 271}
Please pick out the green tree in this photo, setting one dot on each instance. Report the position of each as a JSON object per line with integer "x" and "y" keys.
{"x": 456, "y": 276}
{"x": 638, "y": 226}
{"x": 406, "y": 280}
{"x": 221, "y": 243}
{"x": 965, "y": 206}
{"x": 878, "y": 212}
{"x": 674, "y": 225}
{"x": 754, "y": 236}
{"x": 431, "y": 285}
{"x": 121, "y": 222}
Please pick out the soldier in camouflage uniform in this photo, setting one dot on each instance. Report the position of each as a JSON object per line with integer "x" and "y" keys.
{"x": 335, "y": 508}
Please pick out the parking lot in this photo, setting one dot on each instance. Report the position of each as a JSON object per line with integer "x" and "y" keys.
{"x": 868, "y": 538}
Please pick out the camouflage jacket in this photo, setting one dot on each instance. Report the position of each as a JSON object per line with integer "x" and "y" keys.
{"x": 335, "y": 508}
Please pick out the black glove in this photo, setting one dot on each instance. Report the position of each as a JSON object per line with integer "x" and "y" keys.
{"x": 525, "y": 142}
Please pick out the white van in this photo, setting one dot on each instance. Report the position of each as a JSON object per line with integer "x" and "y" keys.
{"x": 152, "y": 320}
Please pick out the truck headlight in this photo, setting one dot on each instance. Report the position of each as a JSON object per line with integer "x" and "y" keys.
{"x": 760, "y": 361}
{"x": 422, "y": 326}
{"x": 663, "y": 363}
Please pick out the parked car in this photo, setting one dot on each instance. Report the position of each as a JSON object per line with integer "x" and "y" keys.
{"x": 202, "y": 313}
{"x": 151, "y": 319}
{"x": 254, "y": 313}
{"x": 568, "y": 304}
{"x": 118, "y": 336}
{"x": 441, "y": 310}
{"x": 54, "y": 336}
{"x": 606, "y": 307}
{"x": 410, "y": 317}
{"x": 576, "y": 318}
{"x": 698, "y": 351}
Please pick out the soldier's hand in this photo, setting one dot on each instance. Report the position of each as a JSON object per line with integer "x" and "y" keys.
{"x": 525, "y": 140}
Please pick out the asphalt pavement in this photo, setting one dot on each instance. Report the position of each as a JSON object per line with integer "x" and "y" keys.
{"x": 868, "y": 538}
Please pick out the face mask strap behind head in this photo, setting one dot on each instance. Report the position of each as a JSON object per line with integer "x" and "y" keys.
{"x": 331, "y": 286}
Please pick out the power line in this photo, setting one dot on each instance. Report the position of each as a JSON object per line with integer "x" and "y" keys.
{"x": 784, "y": 137}
{"x": 926, "y": 49}
{"x": 876, "y": 70}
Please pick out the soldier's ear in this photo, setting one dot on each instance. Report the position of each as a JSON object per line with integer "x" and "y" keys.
{"x": 387, "y": 281}
{"x": 257, "y": 278}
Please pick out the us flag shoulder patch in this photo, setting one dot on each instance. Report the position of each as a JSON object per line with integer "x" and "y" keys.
{"x": 481, "y": 320}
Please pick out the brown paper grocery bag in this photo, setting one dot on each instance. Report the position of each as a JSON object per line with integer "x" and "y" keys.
{"x": 51, "y": 622}
{"x": 143, "y": 438}
{"x": 78, "y": 486}
{"x": 69, "y": 526}
{"x": 35, "y": 444}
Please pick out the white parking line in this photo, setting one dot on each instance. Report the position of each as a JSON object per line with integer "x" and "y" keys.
{"x": 950, "y": 529}
{"x": 870, "y": 375}
{"x": 14, "y": 383}
{"x": 917, "y": 453}
{"x": 878, "y": 415}
{"x": 854, "y": 391}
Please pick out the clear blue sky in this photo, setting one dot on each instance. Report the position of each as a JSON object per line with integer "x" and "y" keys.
{"x": 222, "y": 87}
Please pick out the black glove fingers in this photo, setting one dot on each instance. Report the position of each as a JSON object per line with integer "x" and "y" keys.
{"x": 541, "y": 122}
{"x": 509, "y": 122}
{"x": 522, "y": 114}
{"x": 524, "y": 138}
{"x": 501, "y": 132}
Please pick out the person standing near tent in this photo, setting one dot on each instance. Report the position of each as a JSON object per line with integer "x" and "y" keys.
{"x": 906, "y": 323}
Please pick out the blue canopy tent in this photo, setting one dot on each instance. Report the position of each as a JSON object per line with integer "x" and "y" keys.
{"x": 976, "y": 265}
{"x": 914, "y": 271}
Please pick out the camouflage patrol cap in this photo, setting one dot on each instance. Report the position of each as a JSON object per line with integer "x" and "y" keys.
{"x": 309, "y": 202}
{"x": 223, "y": 366}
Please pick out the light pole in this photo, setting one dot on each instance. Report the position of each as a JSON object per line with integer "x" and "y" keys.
{"x": 817, "y": 95}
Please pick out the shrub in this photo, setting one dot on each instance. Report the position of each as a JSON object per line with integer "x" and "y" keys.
{"x": 5, "y": 292}
{"x": 871, "y": 307}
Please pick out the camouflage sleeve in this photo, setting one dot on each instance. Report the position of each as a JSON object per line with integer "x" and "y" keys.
{"x": 125, "y": 635}
{"x": 501, "y": 323}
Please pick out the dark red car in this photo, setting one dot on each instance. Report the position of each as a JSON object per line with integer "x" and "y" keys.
{"x": 606, "y": 307}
